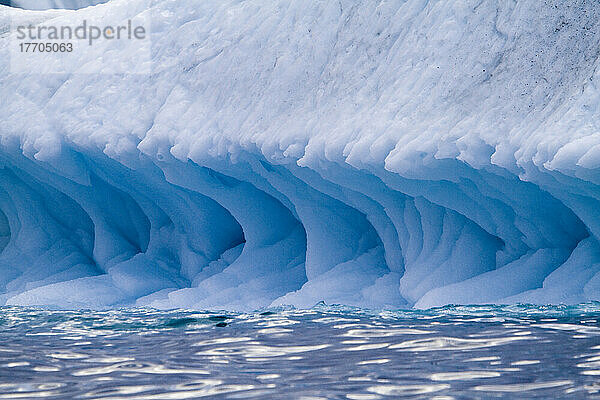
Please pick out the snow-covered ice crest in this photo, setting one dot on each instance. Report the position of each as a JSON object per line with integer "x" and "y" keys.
{"x": 371, "y": 153}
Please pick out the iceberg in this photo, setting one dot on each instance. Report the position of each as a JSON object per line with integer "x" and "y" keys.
{"x": 378, "y": 154}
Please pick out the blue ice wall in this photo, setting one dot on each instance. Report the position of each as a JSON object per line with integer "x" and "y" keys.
{"x": 380, "y": 154}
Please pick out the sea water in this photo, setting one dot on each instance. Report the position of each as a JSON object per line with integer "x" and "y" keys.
{"x": 327, "y": 352}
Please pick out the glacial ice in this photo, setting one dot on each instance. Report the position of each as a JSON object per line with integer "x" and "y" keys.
{"x": 374, "y": 153}
{"x": 52, "y": 4}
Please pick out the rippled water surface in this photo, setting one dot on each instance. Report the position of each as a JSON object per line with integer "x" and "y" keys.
{"x": 321, "y": 353}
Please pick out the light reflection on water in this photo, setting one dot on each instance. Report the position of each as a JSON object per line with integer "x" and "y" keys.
{"x": 323, "y": 353}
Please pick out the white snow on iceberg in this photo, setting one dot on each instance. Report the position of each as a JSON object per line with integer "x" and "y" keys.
{"x": 380, "y": 154}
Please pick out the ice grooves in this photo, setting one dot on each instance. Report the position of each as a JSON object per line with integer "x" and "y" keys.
{"x": 4, "y": 231}
{"x": 251, "y": 233}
